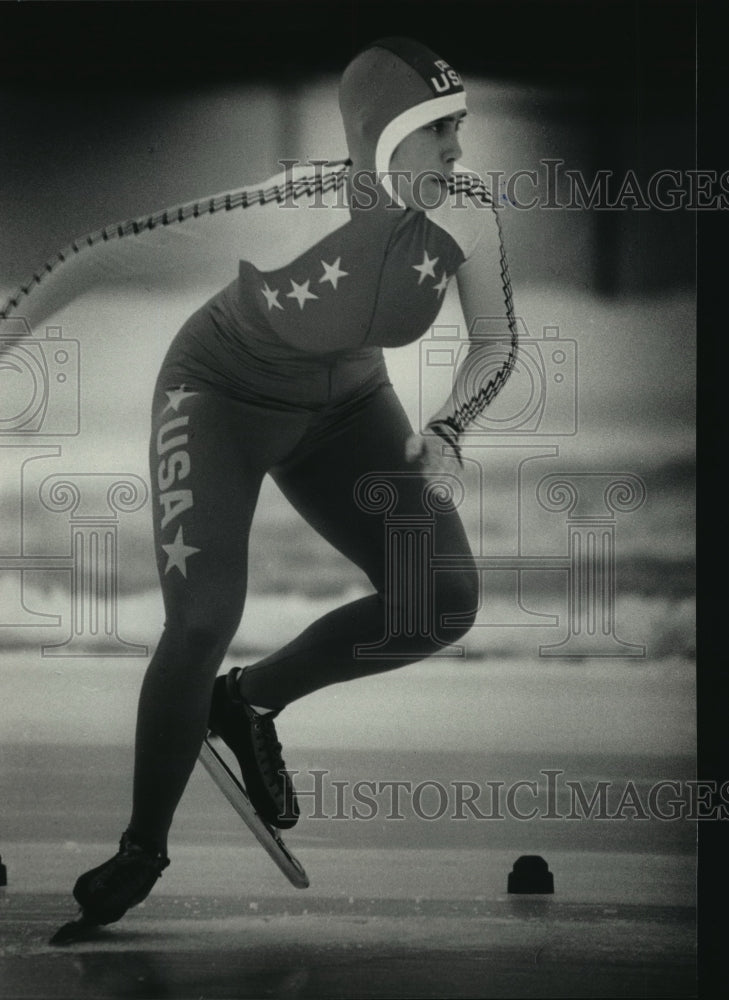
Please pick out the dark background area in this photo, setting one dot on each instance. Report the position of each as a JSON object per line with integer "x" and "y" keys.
{"x": 90, "y": 94}
{"x": 641, "y": 48}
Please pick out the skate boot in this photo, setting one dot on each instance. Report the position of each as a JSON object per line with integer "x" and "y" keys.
{"x": 106, "y": 893}
{"x": 252, "y": 738}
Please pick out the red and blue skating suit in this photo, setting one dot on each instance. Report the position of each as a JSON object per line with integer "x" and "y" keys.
{"x": 322, "y": 285}
{"x": 282, "y": 372}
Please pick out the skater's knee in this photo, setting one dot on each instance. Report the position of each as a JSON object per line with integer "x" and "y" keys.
{"x": 205, "y": 639}
{"x": 444, "y": 606}
{"x": 201, "y": 642}
{"x": 457, "y": 602}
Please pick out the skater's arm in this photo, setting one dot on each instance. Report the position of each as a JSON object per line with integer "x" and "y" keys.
{"x": 484, "y": 291}
{"x": 193, "y": 245}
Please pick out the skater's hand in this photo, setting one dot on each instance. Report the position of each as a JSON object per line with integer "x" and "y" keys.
{"x": 431, "y": 452}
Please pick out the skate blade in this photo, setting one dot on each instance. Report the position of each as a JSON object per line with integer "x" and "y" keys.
{"x": 81, "y": 929}
{"x": 267, "y": 836}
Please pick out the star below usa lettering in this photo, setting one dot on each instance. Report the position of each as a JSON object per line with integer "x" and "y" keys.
{"x": 178, "y": 553}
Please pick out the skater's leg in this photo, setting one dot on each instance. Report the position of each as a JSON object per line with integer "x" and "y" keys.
{"x": 320, "y": 483}
{"x": 208, "y": 455}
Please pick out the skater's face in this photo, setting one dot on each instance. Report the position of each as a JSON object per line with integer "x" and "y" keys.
{"x": 426, "y": 159}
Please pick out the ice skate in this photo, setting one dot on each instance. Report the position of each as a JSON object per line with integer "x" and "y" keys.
{"x": 106, "y": 892}
{"x": 252, "y": 738}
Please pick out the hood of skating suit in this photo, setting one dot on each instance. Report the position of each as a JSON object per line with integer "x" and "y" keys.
{"x": 392, "y": 88}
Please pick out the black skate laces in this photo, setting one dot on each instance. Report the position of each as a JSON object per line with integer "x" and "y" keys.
{"x": 265, "y": 750}
{"x": 268, "y": 747}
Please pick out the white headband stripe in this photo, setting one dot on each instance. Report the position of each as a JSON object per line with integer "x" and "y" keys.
{"x": 407, "y": 122}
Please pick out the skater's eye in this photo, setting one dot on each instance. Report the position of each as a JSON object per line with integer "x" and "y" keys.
{"x": 440, "y": 126}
